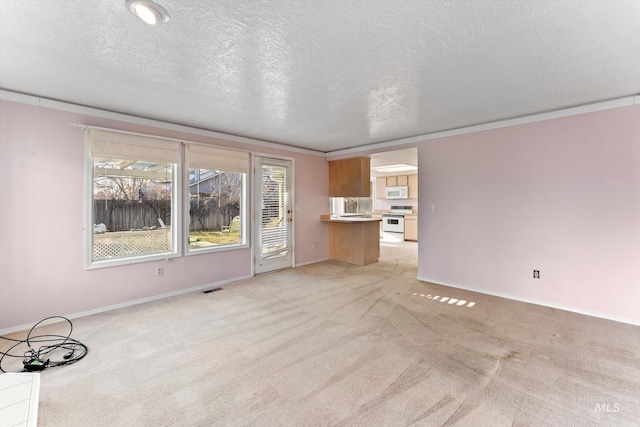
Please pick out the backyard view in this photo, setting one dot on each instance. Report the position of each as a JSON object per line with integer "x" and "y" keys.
{"x": 228, "y": 235}
{"x": 132, "y": 208}
{"x": 214, "y": 209}
{"x": 206, "y": 238}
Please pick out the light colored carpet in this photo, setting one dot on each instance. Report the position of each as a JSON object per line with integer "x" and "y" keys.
{"x": 332, "y": 344}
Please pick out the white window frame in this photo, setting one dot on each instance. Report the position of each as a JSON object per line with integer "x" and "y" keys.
{"x": 244, "y": 211}
{"x": 179, "y": 209}
{"x": 176, "y": 212}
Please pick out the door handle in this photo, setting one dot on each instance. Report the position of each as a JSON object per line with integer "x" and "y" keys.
{"x": 289, "y": 219}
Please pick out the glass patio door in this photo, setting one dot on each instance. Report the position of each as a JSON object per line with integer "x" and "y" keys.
{"x": 274, "y": 215}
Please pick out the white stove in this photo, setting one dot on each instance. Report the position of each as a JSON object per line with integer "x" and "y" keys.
{"x": 401, "y": 210}
{"x": 393, "y": 222}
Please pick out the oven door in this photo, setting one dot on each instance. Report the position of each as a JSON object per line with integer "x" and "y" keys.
{"x": 393, "y": 223}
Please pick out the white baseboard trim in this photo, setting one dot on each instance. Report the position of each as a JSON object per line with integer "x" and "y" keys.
{"x": 530, "y": 301}
{"x": 312, "y": 262}
{"x": 127, "y": 304}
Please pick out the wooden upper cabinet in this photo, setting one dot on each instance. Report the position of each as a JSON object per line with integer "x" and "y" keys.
{"x": 413, "y": 186}
{"x": 391, "y": 181}
{"x": 350, "y": 177}
{"x": 381, "y": 187}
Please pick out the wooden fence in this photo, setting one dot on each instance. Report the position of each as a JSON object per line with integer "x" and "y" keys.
{"x": 124, "y": 215}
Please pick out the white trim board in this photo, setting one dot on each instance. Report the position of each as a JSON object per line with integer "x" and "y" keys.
{"x": 531, "y": 118}
{"x": 384, "y": 145}
{"x": 96, "y": 112}
{"x": 541, "y": 303}
{"x": 129, "y": 303}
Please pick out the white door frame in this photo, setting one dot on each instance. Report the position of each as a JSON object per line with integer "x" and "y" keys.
{"x": 256, "y": 206}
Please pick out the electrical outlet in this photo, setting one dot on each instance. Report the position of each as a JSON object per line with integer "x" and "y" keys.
{"x": 159, "y": 271}
{"x": 536, "y": 274}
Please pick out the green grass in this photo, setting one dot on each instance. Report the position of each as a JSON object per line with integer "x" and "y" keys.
{"x": 205, "y": 238}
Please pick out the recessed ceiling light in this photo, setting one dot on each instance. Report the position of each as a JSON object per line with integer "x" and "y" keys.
{"x": 150, "y": 12}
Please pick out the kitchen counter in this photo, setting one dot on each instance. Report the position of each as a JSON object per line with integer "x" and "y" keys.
{"x": 351, "y": 219}
{"x": 353, "y": 239}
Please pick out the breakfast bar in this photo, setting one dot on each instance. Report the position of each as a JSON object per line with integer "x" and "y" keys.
{"x": 355, "y": 240}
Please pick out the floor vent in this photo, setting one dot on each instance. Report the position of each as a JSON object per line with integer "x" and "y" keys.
{"x": 208, "y": 291}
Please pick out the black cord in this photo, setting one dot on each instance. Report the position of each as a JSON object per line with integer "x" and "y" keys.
{"x": 60, "y": 350}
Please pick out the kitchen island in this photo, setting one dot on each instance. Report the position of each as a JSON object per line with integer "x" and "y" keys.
{"x": 354, "y": 239}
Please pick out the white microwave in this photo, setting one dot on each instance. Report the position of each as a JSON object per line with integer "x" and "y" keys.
{"x": 399, "y": 192}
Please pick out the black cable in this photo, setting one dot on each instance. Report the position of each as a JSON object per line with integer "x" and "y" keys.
{"x": 46, "y": 356}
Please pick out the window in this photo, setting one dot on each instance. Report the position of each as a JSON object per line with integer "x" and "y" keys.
{"x": 216, "y": 208}
{"x": 135, "y": 209}
{"x": 133, "y": 197}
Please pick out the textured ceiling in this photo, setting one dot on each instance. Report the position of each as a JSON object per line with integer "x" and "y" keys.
{"x": 324, "y": 74}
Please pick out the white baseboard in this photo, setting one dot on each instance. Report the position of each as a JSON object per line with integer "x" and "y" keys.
{"x": 127, "y": 304}
{"x": 530, "y": 301}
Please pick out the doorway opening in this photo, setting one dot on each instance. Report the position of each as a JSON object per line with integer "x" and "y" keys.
{"x": 394, "y": 176}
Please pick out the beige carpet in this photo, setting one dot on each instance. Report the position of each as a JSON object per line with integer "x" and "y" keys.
{"x": 332, "y": 344}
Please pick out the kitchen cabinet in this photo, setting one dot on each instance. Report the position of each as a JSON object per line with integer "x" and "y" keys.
{"x": 413, "y": 186}
{"x": 392, "y": 181}
{"x": 354, "y": 240}
{"x": 350, "y": 177}
{"x": 381, "y": 188}
{"x": 411, "y": 227}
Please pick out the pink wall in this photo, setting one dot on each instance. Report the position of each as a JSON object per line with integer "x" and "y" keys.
{"x": 41, "y": 222}
{"x": 561, "y": 196}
